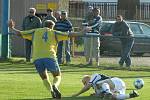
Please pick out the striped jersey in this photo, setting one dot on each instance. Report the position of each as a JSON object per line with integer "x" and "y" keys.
{"x": 63, "y": 25}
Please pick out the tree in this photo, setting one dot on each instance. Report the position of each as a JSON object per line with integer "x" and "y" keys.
{"x": 128, "y": 8}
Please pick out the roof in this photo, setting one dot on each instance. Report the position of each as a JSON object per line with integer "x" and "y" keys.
{"x": 144, "y": 0}
{"x": 125, "y": 21}
{"x": 96, "y": 0}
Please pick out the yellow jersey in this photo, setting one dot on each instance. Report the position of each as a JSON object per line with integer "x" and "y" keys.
{"x": 44, "y": 41}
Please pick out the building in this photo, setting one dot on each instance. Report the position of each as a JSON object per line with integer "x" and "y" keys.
{"x": 19, "y": 9}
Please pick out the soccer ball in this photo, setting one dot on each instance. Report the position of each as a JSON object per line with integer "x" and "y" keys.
{"x": 138, "y": 83}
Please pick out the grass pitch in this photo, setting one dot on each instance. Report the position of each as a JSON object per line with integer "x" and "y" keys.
{"x": 20, "y": 81}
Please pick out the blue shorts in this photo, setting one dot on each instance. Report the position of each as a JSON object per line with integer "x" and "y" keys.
{"x": 46, "y": 63}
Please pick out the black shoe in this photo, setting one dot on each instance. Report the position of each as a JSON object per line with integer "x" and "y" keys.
{"x": 57, "y": 92}
{"x": 134, "y": 94}
{"x": 53, "y": 94}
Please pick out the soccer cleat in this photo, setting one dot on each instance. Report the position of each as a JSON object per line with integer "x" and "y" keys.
{"x": 134, "y": 94}
{"x": 57, "y": 92}
{"x": 53, "y": 94}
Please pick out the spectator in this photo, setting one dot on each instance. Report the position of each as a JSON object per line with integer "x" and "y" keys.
{"x": 93, "y": 43}
{"x": 30, "y": 22}
{"x": 63, "y": 25}
{"x": 88, "y": 17}
{"x": 49, "y": 16}
{"x": 58, "y": 15}
{"x": 121, "y": 28}
{"x": 106, "y": 87}
{"x": 86, "y": 21}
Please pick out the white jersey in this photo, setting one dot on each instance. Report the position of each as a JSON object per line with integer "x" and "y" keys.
{"x": 94, "y": 79}
{"x": 120, "y": 86}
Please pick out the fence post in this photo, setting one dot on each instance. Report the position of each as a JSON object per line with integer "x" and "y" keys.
{"x": 4, "y": 29}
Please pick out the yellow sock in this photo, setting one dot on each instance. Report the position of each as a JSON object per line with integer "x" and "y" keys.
{"x": 47, "y": 84}
{"x": 57, "y": 81}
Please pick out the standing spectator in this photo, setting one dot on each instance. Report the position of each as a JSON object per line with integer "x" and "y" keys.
{"x": 93, "y": 43}
{"x": 49, "y": 16}
{"x": 63, "y": 25}
{"x": 121, "y": 28}
{"x": 86, "y": 21}
{"x": 88, "y": 17}
{"x": 58, "y": 15}
{"x": 30, "y": 22}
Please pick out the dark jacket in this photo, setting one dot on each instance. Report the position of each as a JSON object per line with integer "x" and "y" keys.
{"x": 31, "y": 22}
{"x": 121, "y": 29}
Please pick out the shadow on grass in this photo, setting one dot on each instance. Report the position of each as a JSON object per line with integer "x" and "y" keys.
{"x": 66, "y": 68}
{"x": 23, "y": 68}
{"x": 68, "y": 98}
{"x": 36, "y": 99}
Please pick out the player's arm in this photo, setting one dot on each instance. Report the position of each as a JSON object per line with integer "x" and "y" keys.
{"x": 84, "y": 89}
{"x": 23, "y": 34}
{"x": 65, "y": 35}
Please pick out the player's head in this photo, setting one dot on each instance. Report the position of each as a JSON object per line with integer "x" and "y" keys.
{"x": 49, "y": 23}
{"x": 86, "y": 79}
{"x": 32, "y": 11}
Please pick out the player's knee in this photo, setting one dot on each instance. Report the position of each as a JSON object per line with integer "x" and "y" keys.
{"x": 43, "y": 75}
{"x": 56, "y": 74}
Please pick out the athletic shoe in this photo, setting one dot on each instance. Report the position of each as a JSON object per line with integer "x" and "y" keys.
{"x": 57, "y": 92}
{"x": 53, "y": 94}
{"x": 134, "y": 94}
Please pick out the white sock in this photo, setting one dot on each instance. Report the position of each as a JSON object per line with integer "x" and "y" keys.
{"x": 122, "y": 96}
{"x": 106, "y": 87}
{"x": 47, "y": 84}
{"x": 57, "y": 80}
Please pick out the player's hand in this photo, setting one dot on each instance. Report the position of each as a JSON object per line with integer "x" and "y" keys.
{"x": 11, "y": 24}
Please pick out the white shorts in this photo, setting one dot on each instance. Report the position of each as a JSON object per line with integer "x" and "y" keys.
{"x": 120, "y": 86}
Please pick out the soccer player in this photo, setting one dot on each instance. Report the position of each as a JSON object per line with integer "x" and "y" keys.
{"x": 44, "y": 52}
{"x": 108, "y": 88}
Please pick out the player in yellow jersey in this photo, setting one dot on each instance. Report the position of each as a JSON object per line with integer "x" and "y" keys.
{"x": 44, "y": 52}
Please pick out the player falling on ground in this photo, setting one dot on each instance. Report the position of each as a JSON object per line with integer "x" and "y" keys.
{"x": 108, "y": 88}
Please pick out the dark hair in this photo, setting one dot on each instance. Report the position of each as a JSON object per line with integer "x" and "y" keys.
{"x": 63, "y": 12}
{"x": 49, "y": 10}
{"x": 120, "y": 16}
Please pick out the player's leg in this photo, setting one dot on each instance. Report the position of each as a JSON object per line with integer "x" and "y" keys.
{"x": 120, "y": 88}
{"x": 44, "y": 75}
{"x": 133, "y": 94}
{"x": 53, "y": 67}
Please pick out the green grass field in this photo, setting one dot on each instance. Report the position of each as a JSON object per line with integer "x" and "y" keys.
{"x": 19, "y": 81}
